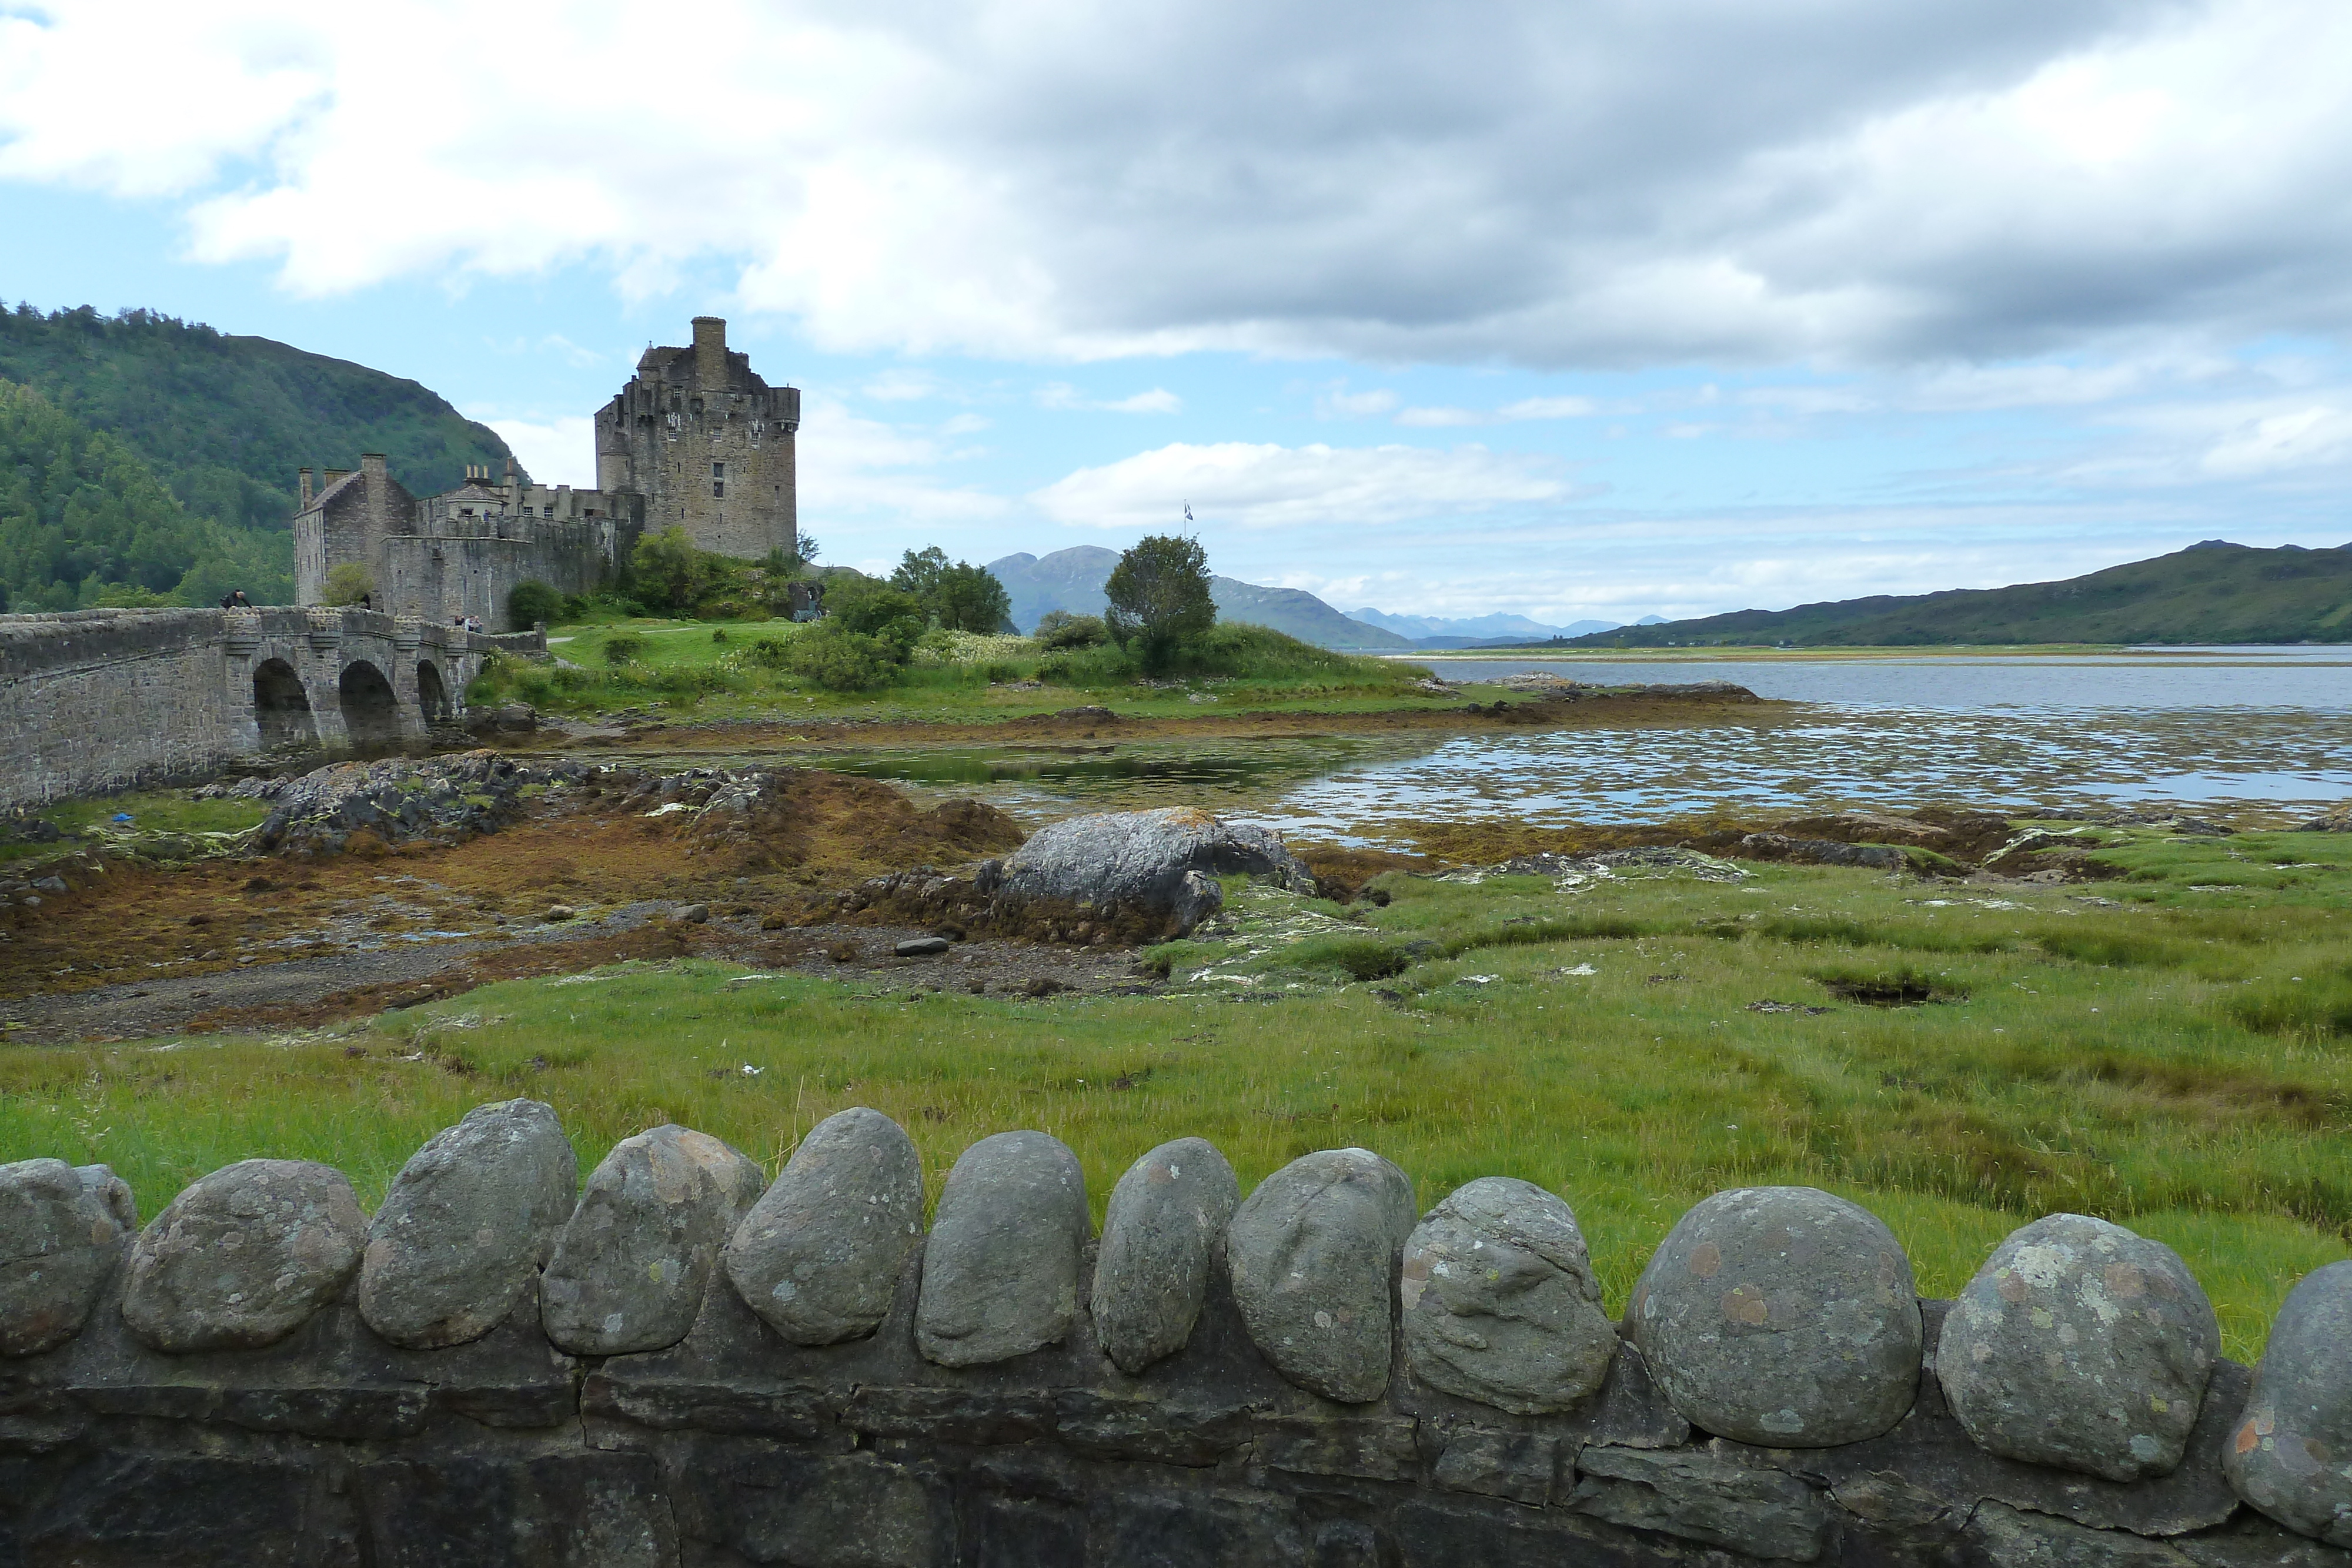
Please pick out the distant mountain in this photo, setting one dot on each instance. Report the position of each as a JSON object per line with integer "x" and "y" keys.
{"x": 1476, "y": 627}
{"x": 225, "y": 421}
{"x": 2214, "y": 591}
{"x": 1073, "y": 579}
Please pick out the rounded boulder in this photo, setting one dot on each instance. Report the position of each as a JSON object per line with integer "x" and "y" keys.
{"x": 630, "y": 1268}
{"x": 1782, "y": 1316}
{"x": 62, "y": 1231}
{"x": 468, "y": 1220}
{"x": 243, "y": 1257}
{"x": 1001, "y": 1265}
{"x": 1313, "y": 1252}
{"x": 2083, "y": 1346}
{"x": 818, "y": 1257}
{"x": 1161, "y": 1237}
{"x": 1499, "y": 1304}
{"x": 2290, "y": 1456}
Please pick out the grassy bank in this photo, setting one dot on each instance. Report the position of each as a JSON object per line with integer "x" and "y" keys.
{"x": 2172, "y": 1049}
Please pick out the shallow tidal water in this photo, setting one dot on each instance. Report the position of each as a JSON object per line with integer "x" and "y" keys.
{"x": 2258, "y": 737}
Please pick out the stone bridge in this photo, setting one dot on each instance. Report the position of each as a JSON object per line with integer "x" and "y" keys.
{"x": 94, "y": 700}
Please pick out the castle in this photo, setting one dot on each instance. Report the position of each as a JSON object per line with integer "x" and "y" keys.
{"x": 695, "y": 440}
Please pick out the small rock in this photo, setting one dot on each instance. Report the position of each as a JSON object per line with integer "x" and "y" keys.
{"x": 1500, "y": 1301}
{"x": 922, "y": 947}
{"x": 1782, "y": 1316}
{"x": 634, "y": 1260}
{"x": 2083, "y": 1346}
{"x": 1313, "y": 1252}
{"x": 560, "y": 912}
{"x": 52, "y": 885}
{"x": 243, "y": 1257}
{"x": 819, "y": 1255}
{"x": 1001, "y": 1267}
{"x": 695, "y": 914}
{"x": 2290, "y": 1456}
{"x": 62, "y": 1231}
{"x": 470, "y": 1217}
{"x": 1162, "y": 1236}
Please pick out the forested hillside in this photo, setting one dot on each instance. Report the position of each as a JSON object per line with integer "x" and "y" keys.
{"x": 2209, "y": 592}
{"x": 225, "y": 421}
{"x": 85, "y": 521}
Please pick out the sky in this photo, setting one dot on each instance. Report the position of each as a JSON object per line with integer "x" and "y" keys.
{"x": 1576, "y": 308}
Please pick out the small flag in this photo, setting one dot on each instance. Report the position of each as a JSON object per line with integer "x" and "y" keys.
{"x": 1188, "y": 511}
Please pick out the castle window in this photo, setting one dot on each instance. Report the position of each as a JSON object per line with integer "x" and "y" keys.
{"x": 719, "y": 490}
{"x": 718, "y": 470}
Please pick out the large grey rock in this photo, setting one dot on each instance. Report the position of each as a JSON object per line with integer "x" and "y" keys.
{"x": 468, "y": 1220}
{"x": 634, "y": 1260}
{"x": 1161, "y": 1237}
{"x": 819, "y": 1255}
{"x": 243, "y": 1257}
{"x": 1138, "y": 875}
{"x": 1782, "y": 1316}
{"x": 1499, "y": 1304}
{"x": 1313, "y": 1252}
{"x": 2291, "y": 1455}
{"x": 62, "y": 1231}
{"x": 2079, "y": 1345}
{"x": 1001, "y": 1265}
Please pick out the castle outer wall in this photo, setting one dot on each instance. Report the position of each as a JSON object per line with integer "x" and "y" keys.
{"x": 99, "y": 700}
{"x": 709, "y": 445}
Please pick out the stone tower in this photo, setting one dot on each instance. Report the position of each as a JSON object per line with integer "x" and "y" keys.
{"x": 708, "y": 445}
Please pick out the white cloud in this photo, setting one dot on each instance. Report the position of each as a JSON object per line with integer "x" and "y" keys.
{"x": 1524, "y": 408}
{"x": 1336, "y": 401}
{"x": 560, "y": 451}
{"x": 1266, "y": 486}
{"x": 853, "y": 468}
{"x": 1063, "y": 396}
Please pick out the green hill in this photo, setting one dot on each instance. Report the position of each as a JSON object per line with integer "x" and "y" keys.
{"x": 225, "y": 420}
{"x": 2209, "y": 592}
{"x": 84, "y": 520}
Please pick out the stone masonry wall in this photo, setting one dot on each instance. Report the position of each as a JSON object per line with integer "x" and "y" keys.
{"x": 97, "y": 700}
{"x": 684, "y": 1364}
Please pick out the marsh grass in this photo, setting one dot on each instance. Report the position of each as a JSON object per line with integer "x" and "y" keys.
{"x": 2135, "y": 1084}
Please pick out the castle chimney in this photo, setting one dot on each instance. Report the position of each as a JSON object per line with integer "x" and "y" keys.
{"x": 710, "y": 353}
{"x": 510, "y": 470}
{"x": 307, "y": 477}
{"x": 371, "y": 464}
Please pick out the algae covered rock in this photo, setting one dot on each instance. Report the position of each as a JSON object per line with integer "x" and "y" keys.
{"x": 2289, "y": 1455}
{"x": 1782, "y": 1316}
{"x": 1163, "y": 1236}
{"x": 2081, "y": 1345}
{"x": 62, "y": 1232}
{"x": 1499, "y": 1304}
{"x": 1313, "y": 1252}
{"x": 243, "y": 1257}
{"x": 471, "y": 1216}
{"x": 818, "y": 1257}
{"x": 638, "y": 1251}
{"x": 1001, "y": 1265}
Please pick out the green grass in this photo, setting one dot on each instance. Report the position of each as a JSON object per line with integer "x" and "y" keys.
{"x": 2146, "y": 1057}
{"x": 155, "y": 814}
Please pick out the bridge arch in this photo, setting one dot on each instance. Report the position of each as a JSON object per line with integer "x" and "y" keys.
{"x": 281, "y": 709}
{"x": 371, "y": 708}
{"x": 432, "y": 694}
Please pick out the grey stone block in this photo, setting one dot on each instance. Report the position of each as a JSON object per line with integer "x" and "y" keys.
{"x": 633, "y": 1261}
{"x": 2079, "y": 1345}
{"x": 243, "y": 1257}
{"x": 2290, "y": 1453}
{"x": 1499, "y": 1304}
{"x": 1163, "y": 1236}
{"x": 62, "y": 1232}
{"x": 1782, "y": 1316}
{"x": 1001, "y": 1265}
{"x": 468, "y": 1220}
{"x": 1700, "y": 1497}
{"x": 1313, "y": 1254}
{"x": 818, "y": 1257}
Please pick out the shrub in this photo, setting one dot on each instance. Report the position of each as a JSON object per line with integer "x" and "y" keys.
{"x": 837, "y": 659}
{"x": 1059, "y": 629}
{"x": 623, "y": 647}
{"x": 873, "y": 609}
{"x": 533, "y": 601}
{"x": 349, "y": 583}
{"x": 770, "y": 653}
{"x": 668, "y": 569}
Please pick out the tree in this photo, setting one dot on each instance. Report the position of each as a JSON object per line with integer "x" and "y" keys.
{"x": 531, "y": 602}
{"x": 920, "y": 572}
{"x": 349, "y": 583}
{"x": 666, "y": 569}
{"x": 871, "y": 609}
{"x": 1159, "y": 595}
{"x": 970, "y": 599}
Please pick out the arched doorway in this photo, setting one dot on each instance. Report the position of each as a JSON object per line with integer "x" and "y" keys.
{"x": 281, "y": 709}
{"x": 432, "y": 696}
{"x": 371, "y": 711}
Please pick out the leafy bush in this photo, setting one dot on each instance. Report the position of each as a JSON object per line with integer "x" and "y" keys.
{"x": 625, "y": 647}
{"x": 1059, "y": 629}
{"x": 666, "y": 569}
{"x": 832, "y": 657}
{"x": 532, "y": 601}
{"x": 349, "y": 583}
{"x": 770, "y": 653}
{"x": 871, "y": 609}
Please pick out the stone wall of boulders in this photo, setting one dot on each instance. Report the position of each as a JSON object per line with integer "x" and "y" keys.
{"x": 681, "y": 1362}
